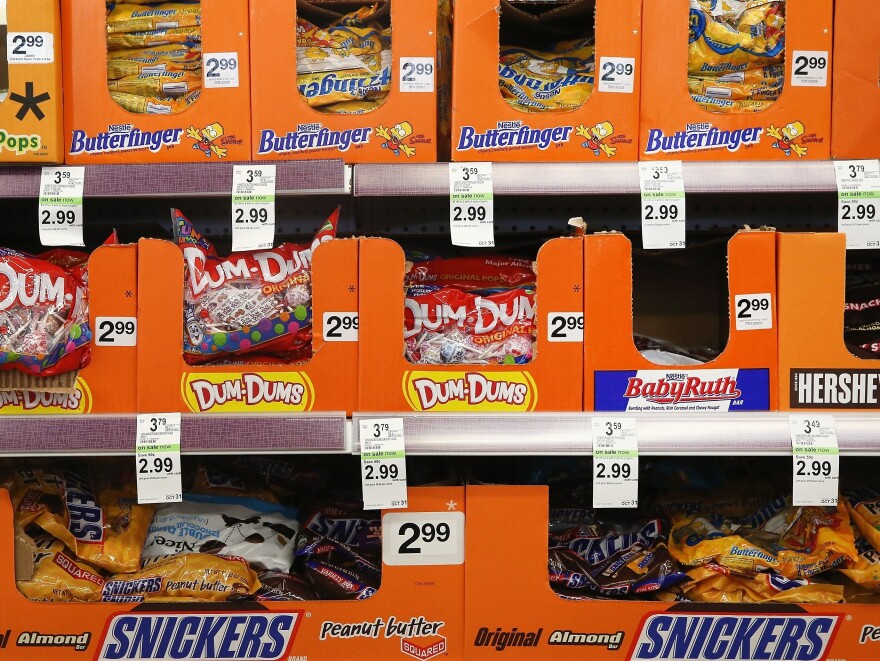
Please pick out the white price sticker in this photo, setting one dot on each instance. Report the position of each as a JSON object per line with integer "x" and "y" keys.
{"x": 617, "y": 74}
{"x": 471, "y": 221}
{"x": 565, "y": 327}
{"x": 383, "y": 463}
{"x": 816, "y": 459}
{"x": 341, "y": 326}
{"x": 615, "y": 462}
{"x": 221, "y": 70}
{"x": 61, "y": 210}
{"x": 116, "y": 331}
{"x": 253, "y": 207}
{"x": 753, "y": 311}
{"x": 30, "y": 48}
{"x": 809, "y": 68}
{"x": 662, "y": 186}
{"x": 858, "y": 202}
{"x": 416, "y": 74}
{"x": 423, "y": 538}
{"x": 157, "y": 457}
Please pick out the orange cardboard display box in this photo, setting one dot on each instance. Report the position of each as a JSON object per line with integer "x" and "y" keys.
{"x": 741, "y": 378}
{"x": 855, "y": 107}
{"x": 816, "y": 370}
{"x": 211, "y": 121}
{"x": 108, "y": 383}
{"x": 796, "y": 126}
{"x": 417, "y": 612}
{"x": 326, "y": 383}
{"x": 552, "y": 381}
{"x": 30, "y": 82}
{"x": 511, "y": 607}
{"x": 288, "y": 117}
{"x": 486, "y": 127}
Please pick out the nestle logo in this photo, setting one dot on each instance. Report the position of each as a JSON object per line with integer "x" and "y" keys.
{"x": 509, "y": 125}
{"x": 680, "y": 636}
{"x": 702, "y": 126}
{"x": 119, "y": 128}
{"x": 308, "y": 128}
{"x": 676, "y": 376}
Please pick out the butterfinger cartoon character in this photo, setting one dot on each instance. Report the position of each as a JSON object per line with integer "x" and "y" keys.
{"x": 596, "y": 137}
{"x": 395, "y": 137}
{"x": 786, "y": 138}
{"x": 207, "y": 138}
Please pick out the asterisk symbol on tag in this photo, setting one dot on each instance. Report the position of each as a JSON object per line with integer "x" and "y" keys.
{"x": 451, "y": 505}
{"x": 352, "y": 288}
{"x": 29, "y": 102}
{"x": 576, "y": 288}
{"x": 128, "y": 294}
{"x": 430, "y": 33}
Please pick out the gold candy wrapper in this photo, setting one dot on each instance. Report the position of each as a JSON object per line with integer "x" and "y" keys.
{"x": 133, "y": 18}
{"x": 168, "y": 84}
{"x": 59, "y": 576}
{"x": 183, "y": 59}
{"x": 548, "y": 81}
{"x": 152, "y": 38}
{"x": 155, "y": 105}
{"x": 184, "y": 577}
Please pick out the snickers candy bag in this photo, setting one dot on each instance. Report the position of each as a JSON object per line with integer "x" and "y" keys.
{"x": 259, "y": 532}
{"x": 335, "y": 570}
{"x": 250, "y": 303}
{"x": 58, "y": 575}
{"x": 344, "y": 520}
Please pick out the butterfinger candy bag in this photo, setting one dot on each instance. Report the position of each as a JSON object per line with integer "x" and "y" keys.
{"x": 44, "y": 314}
{"x": 335, "y": 570}
{"x": 261, "y": 533}
{"x": 250, "y": 302}
{"x": 149, "y": 38}
{"x": 155, "y": 105}
{"x": 796, "y": 542}
{"x": 98, "y": 519}
{"x": 170, "y": 84}
{"x": 712, "y": 583}
{"x": 191, "y": 576}
{"x": 131, "y": 18}
{"x": 59, "y": 576}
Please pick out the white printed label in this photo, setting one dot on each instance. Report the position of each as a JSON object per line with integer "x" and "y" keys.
{"x": 417, "y": 74}
{"x": 617, "y": 74}
{"x": 383, "y": 463}
{"x": 157, "y": 458}
{"x": 61, "y": 210}
{"x": 662, "y": 186}
{"x": 816, "y": 459}
{"x": 221, "y": 70}
{"x": 253, "y": 207}
{"x": 423, "y": 538}
{"x": 858, "y": 202}
{"x": 809, "y": 68}
{"x": 565, "y": 327}
{"x": 615, "y": 462}
{"x": 341, "y": 326}
{"x": 753, "y": 311}
{"x": 116, "y": 331}
{"x": 471, "y": 203}
{"x": 30, "y": 48}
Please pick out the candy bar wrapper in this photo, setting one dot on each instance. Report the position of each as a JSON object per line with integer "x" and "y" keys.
{"x": 279, "y": 586}
{"x": 155, "y": 105}
{"x": 344, "y": 520}
{"x": 261, "y": 533}
{"x": 211, "y": 480}
{"x": 58, "y": 575}
{"x": 335, "y": 570}
{"x": 151, "y": 38}
{"x": 865, "y": 571}
{"x": 167, "y": 84}
{"x": 256, "y": 302}
{"x": 184, "y": 577}
{"x": 124, "y": 17}
{"x": 863, "y": 505}
{"x": 796, "y": 542}
{"x": 95, "y": 515}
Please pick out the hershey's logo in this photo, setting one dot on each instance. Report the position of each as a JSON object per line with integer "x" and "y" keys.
{"x": 834, "y": 388}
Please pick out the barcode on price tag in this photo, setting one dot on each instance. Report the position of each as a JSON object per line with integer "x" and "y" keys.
{"x": 61, "y": 210}
{"x": 221, "y": 70}
{"x": 116, "y": 331}
{"x": 858, "y": 202}
{"x": 416, "y": 74}
{"x": 753, "y": 311}
{"x": 423, "y": 538}
{"x": 383, "y": 463}
{"x": 617, "y": 74}
{"x": 809, "y": 68}
{"x": 253, "y": 207}
{"x": 157, "y": 457}
{"x": 615, "y": 462}
{"x": 816, "y": 460}
{"x": 471, "y": 210}
{"x": 341, "y": 326}
{"x": 663, "y": 205}
{"x": 30, "y": 47}
{"x": 565, "y": 327}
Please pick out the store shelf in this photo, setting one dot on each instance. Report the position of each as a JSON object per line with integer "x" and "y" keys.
{"x": 747, "y": 434}
{"x": 326, "y": 177}
{"x": 598, "y": 178}
{"x": 200, "y": 434}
